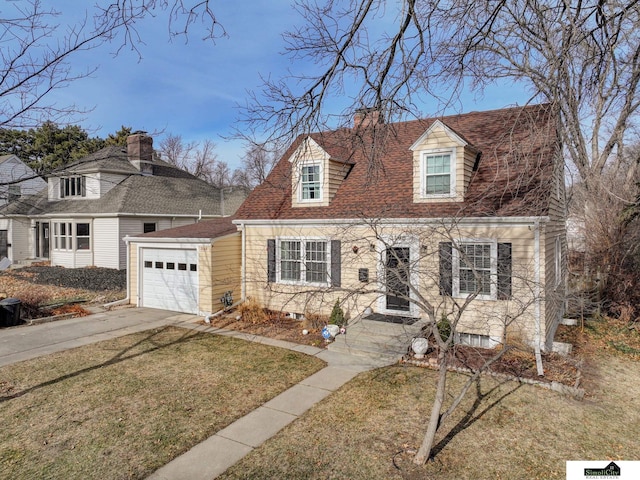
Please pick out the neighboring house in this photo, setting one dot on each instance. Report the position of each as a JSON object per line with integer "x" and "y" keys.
{"x": 16, "y": 180}
{"x": 88, "y": 207}
{"x": 382, "y": 217}
{"x": 186, "y": 269}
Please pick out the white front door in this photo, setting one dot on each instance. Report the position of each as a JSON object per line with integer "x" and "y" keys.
{"x": 169, "y": 279}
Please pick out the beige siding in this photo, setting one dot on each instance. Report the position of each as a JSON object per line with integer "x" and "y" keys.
{"x": 337, "y": 172}
{"x": 225, "y": 264}
{"x": 132, "y": 273}
{"x": 438, "y": 138}
{"x": 360, "y": 249}
{"x": 308, "y": 153}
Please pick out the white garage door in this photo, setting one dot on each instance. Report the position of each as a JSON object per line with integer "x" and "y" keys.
{"x": 169, "y": 279}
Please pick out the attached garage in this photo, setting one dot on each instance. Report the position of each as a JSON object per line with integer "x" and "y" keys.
{"x": 186, "y": 269}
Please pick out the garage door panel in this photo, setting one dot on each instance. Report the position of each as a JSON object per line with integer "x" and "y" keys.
{"x": 170, "y": 279}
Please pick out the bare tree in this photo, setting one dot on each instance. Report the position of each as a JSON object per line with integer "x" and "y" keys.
{"x": 37, "y": 47}
{"x": 258, "y": 162}
{"x": 582, "y": 57}
{"x": 198, "y": 159}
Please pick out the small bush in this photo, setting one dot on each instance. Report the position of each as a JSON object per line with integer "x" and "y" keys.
{"x": 253, "y": 312}
{"x": 444, "y": 328}
{"x": 337, "y": 315}
{"x": 314, "y": 321}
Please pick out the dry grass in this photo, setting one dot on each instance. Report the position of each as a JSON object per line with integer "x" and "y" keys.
{"x": 373, "y": 425}
{"x": 123, "y": 408}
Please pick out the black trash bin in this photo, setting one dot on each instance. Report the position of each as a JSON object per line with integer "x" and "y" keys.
{"x": 10, "y": 312}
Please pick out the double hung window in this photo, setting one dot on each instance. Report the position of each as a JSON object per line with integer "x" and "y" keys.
{"x": 310, "y": 183}
{"x": 303, "y": 261}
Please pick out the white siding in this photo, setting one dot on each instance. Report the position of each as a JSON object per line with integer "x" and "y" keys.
{"x": 105, "y": 241}
{"x": 21, "y": 243}
{"x": 13, "y": 169}
{"x": 108, "y": 181}
{"x": 92, "y": 184}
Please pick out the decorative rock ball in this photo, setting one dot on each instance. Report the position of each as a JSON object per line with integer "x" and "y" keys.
{"x": 305, "y": 332}
{"x": 419, "y": 346}
{"x": 239, "y": 317}
{"x": 333, "y": 330}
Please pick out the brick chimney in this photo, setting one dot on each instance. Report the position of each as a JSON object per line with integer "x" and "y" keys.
{"x": 365, "y": 117}
{"x": 140, "y": 152}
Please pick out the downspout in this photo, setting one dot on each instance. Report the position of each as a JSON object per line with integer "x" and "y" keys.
{"x": 124, "y": 301}
{"x": 243, "y": 288}
{"x": 537, "y": 310}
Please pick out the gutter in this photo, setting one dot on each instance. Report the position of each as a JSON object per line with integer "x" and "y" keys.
{"x": 537, "y": 300}
{"x": 396, "y": 222}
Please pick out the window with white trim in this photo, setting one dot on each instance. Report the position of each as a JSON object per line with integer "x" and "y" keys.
{"x": 475, "y": 269}
{"x": 73, "y": 187}
{"x": 475, "y": 340}
{"x": 83, "y": 236}
{"x": 303, "y": 261}
{"x": 69, "y": 236}
{"x": 310, "y": 182}
{"x": 438, "y": 173}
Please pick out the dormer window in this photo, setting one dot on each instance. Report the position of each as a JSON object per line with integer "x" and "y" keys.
{"x": 73, "y": 187}
{"x": 438, "y": 173}
{"x": 310, "y": 183}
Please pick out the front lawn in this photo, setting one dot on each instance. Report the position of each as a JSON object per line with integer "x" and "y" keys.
{"x": 125, "y": 407}
{"x": 372, "y": 427}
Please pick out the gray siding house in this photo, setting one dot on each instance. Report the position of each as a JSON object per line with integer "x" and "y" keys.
{"x": 17, "y": 180}
{"x": 87, "y": 208}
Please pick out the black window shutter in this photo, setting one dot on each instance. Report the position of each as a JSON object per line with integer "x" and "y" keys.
{"x": 336, "y": 263}
{"x": 446, "y": 266}
{"x": 271, "y": 260}
{"x": 62, "y": 188}
{"x": 504, "y": 271}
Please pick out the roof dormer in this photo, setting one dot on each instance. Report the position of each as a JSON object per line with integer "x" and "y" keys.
{"x": 315, "y": 175}
{"x": 442, "y": 165}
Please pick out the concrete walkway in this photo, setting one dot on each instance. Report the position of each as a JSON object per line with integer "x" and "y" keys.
{"x": 209, "y": 459}
{"x": 212, "y": 457}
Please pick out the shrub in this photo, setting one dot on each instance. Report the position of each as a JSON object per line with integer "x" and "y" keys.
{"x": 337, "y": 315}
{"x": 444, "y": 327}
{"x": 253, "y": 312}
{"x": 314, "y": 321}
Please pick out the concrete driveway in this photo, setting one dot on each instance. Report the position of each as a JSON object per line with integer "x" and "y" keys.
{"x": 31, "y": 341}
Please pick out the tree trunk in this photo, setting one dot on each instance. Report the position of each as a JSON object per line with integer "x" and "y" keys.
{"x": 434, "y": 421}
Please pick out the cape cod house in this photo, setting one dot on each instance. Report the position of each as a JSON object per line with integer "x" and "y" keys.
{"x": 459, "y": 213}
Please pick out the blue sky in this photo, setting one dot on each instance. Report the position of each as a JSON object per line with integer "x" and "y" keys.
{"x": 193, "y": 88}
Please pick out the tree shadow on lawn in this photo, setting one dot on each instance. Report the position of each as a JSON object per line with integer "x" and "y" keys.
{"x": 473, "y": 415}
{"x": 119, "y": 357}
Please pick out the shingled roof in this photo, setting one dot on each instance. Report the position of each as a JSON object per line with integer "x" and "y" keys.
{"x": 512, "y": 176}
{"x": 169, "y": 191}
{"x": 208, "y": 229}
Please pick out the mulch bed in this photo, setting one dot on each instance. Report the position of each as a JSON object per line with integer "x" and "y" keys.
{"x": 516, "y": 363}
